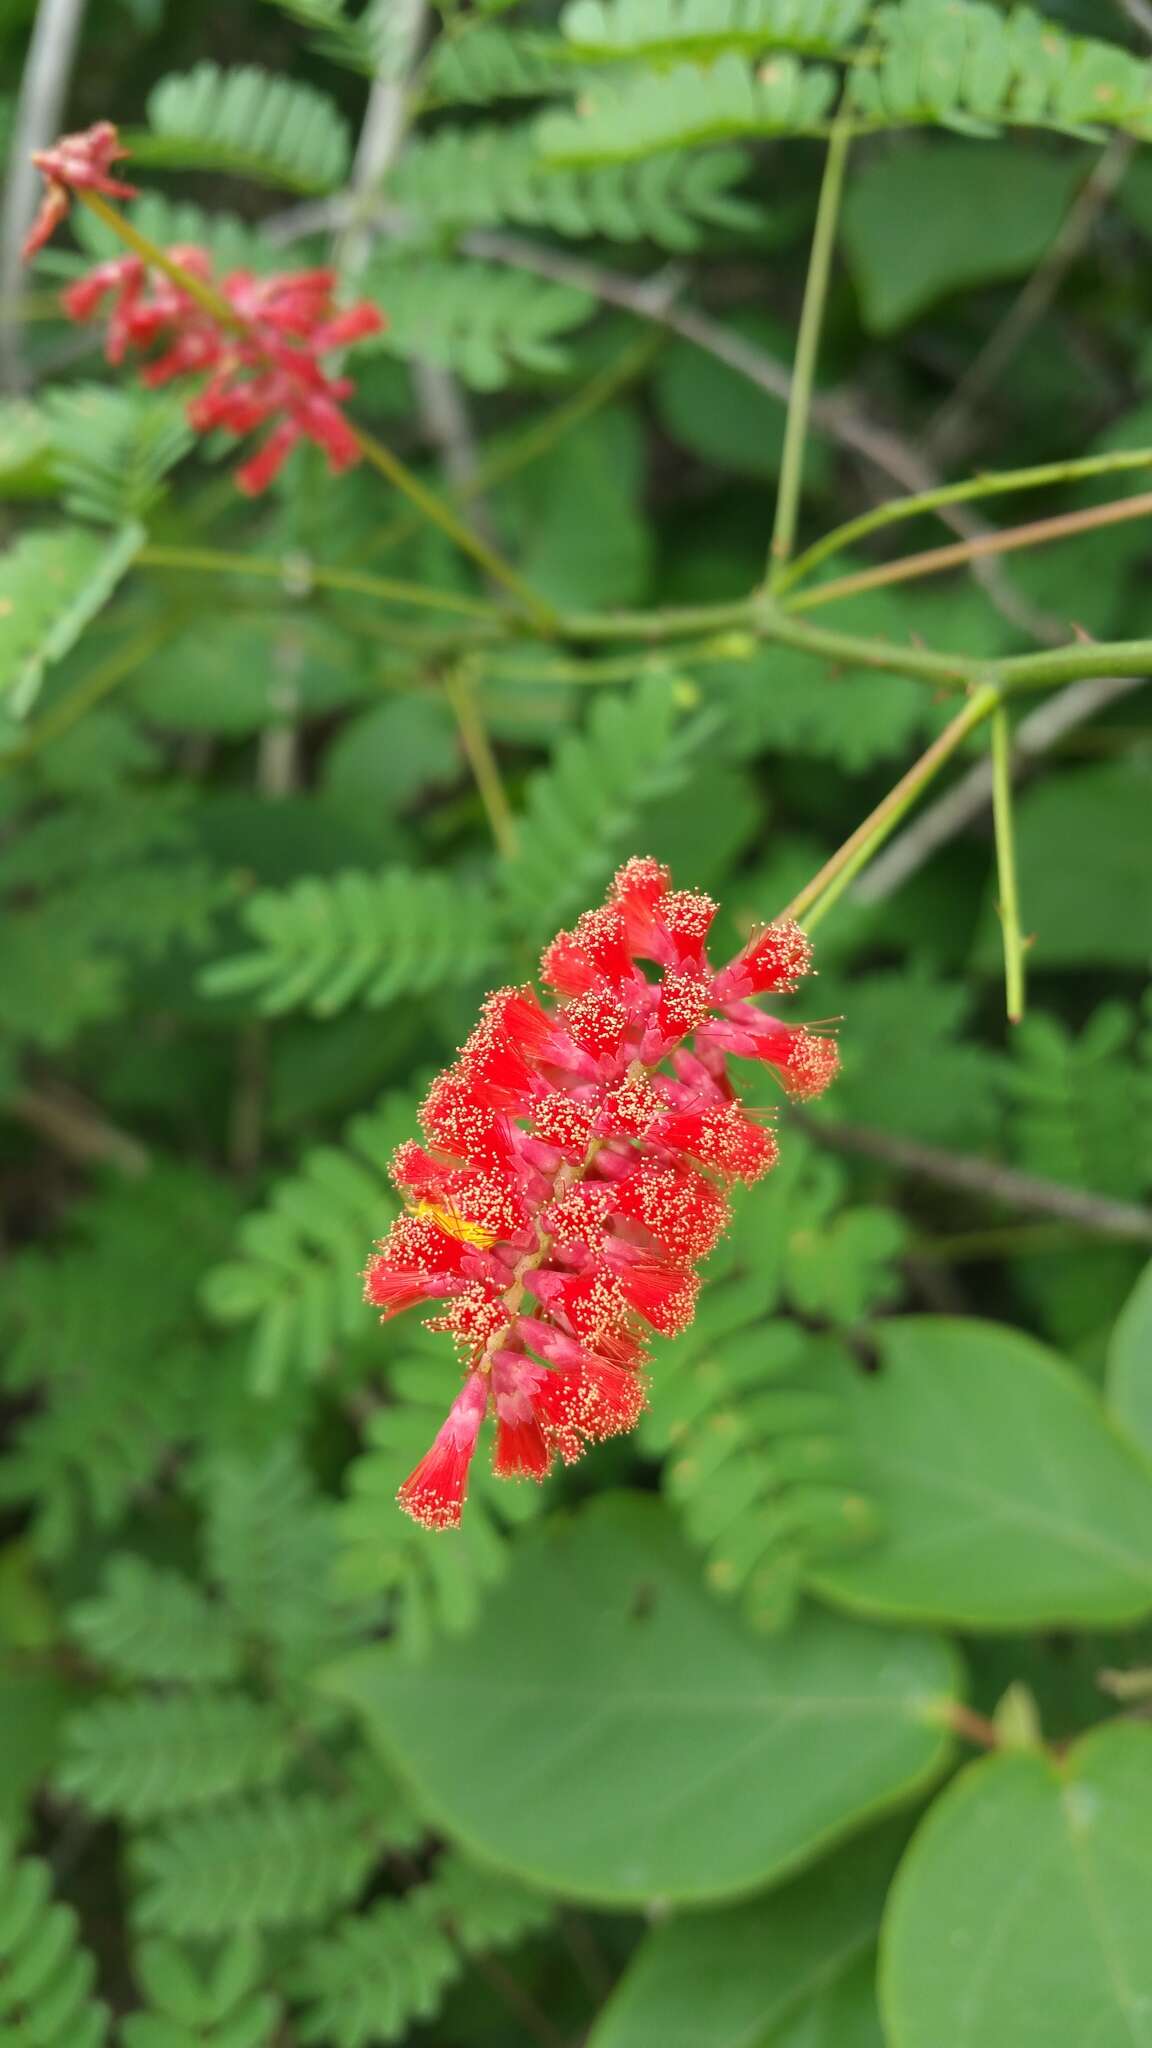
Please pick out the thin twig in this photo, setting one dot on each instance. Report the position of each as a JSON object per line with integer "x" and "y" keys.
{"x": 38, "y": 120}
{"x": 1009, "y": 905}
{"x": 988, "y": 484}
{"x": 948, "y": 432}
{"x": 836, "y": 413}
{"x": 381, "y": 134}
{"x": 1098, "y": 1214}
{"x": 460, "y": 690}
{"x": 958, "y": 554}
{"x": 828, "y": 885}
{"x": 78, "y": 1130}
{"x": 950, "y": 815}
{"x": 807, "y": 353}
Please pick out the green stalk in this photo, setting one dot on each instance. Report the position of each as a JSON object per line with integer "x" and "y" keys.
{"x": 460, "y": 691}
{"x": 218, "y": 562}
{"x": 815, "y": 900}
{"x": 1002, "y": 815}
{"x": 807, "y": 352}
{"x": 995, "y": 485}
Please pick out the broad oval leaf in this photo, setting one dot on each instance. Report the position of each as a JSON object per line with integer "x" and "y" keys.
{"x": 770, "y": 1971}
{"x": 1007, "y": 1500}
{"x": 610, "y": 1732}
{"x": 1020, "y": 1917}
{"x": 1130, "y": 1362}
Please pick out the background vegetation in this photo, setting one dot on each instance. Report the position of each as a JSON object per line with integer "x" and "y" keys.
{"x": 635, "y": 1760}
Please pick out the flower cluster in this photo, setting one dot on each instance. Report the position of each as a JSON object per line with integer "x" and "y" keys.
{"x": 261, "y": 366}
{"x": 77, "y": 163}
{"x": 576, "y": 1169}
{"x": 256, "y": 342}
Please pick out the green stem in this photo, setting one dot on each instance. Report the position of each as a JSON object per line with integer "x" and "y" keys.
{"x": 375, "y": 452}
{"x": 957, "y": 554}
{"x": 1006, "y": 864}
{"x": 807, "y": 352}
{"x": 1055, "y": 665}
{"x": 440, "y": 514}
{"x": 460, "y": 691}
{"x": 817, "y": 897}
{"x": 994, "y": 485}
{"x": 218, "y": 562}
{"x": 853, "y": 650}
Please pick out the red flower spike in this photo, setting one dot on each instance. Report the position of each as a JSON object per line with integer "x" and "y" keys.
{"x": 576, "y": 1164}
{"x": 77, "y": 163}
{"x": 260, "y": 368}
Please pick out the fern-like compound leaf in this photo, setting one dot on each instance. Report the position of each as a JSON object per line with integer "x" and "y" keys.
{"x": 486, "y": 324}
{"x": 275, "y": 1859}
{"x": 430, "y": 1588}
{"x": 202, "y": 2001}
{"x": 965, "y": 64}
{"x": 296, "y": 1274}
{"x": 51, "y": 585}
{"x": 113, "y": 449}
{"x": 492, "y": 63}
{"x": 327, "y": 942}
{"x": 583, "y": 807}
{"x": 151, "y": 1754}
{"x": 663, "y": 30}
{"x": 644, "y": 112}
{"x": 249, "y": 122}
{"x": 151, "y": 1624}
{"x": 46, "y": 1978}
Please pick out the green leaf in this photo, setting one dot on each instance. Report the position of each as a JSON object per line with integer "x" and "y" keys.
{"x": 920, "y": 223}
{"x": 586, "y": 542}
{"x": 713, "y": 410}
{"x": 246, "y": 121}
{"x": 1130, "y": 1363}
{"x": 637, "y": 1743}
{"x": 1007, "y": 1499}
{"x": 745, "y": 1976}
{"x": 1019, "y": 1917}
{"x": 51, "y": 585}
{"x": 275, "y": 1859}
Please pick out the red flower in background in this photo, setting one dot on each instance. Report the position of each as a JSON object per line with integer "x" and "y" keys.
{"x": 572, "y": 1178}
{"x": 257, "y": 341}
{"x": 261, "y": 366}
{"x": 77, "y": 163}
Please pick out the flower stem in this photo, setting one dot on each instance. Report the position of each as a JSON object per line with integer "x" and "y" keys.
{"x": 440, "y": 514}
{"x": 1006, "y": 864}
{"x": 460, "y": 690}
{"x": 817, "y": 897}
{"x": 807, "y": 351}
{"x": 375, "y": 452}
{"x": 995, "y": 484}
